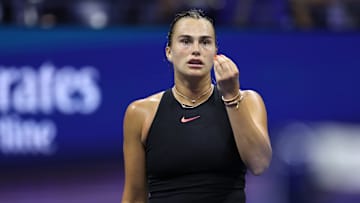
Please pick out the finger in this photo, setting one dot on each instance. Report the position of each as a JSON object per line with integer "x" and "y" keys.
{"x": 232, "y": 65}
{"x": 221, "y": 61}
{"x": 228, "y": 67}
{"x": 225, "y": 64}
{"x": 217, "y": 70}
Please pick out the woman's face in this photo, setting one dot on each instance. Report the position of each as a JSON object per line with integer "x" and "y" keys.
{"x": 193, "y": 47}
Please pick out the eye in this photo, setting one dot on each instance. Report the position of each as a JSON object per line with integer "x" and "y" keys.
{"x": 206, "y": 42}
{"x": 185, "y": 41}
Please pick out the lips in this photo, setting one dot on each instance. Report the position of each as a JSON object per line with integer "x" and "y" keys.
{"x": 195, "y": 62}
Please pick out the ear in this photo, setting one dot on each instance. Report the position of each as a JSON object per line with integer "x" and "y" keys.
{"x": 168, "y": 53}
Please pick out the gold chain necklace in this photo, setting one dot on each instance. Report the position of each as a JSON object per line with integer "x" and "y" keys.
{"x": 193, "y": 100}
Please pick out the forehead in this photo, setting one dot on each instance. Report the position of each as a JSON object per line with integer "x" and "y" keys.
{"x": 193, "y": 27}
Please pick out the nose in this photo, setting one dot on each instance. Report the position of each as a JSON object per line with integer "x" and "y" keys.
{"x": 196, "y": 49}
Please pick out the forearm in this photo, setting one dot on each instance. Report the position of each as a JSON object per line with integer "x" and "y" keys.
{"x": 247, "y": 114}
{"x": 251, "y": 139}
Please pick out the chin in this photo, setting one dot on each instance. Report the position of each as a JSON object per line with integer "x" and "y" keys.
{"x": 198, "y": 73}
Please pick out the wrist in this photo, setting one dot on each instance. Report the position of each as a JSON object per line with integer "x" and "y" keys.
{"x": 229, "y": 93}
{"x": 233, "y": 101}
{"x": 226, "y": 97}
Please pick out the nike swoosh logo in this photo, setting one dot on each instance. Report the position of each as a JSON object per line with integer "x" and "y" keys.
{"x": 186, "y": 120}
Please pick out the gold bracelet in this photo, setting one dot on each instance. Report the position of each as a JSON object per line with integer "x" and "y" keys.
{"x": 232, "y": 99}
{"x": 235, "y": 102}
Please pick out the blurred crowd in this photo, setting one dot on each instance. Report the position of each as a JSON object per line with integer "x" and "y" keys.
{"x": 338, "y": 15}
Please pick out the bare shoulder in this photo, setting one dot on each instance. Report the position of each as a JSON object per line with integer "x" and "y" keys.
{"x": 142, "y": 106}
{"x": 140, "y": 113}
{"x": 254, "y": 101}
{"x": 252, "y": 95}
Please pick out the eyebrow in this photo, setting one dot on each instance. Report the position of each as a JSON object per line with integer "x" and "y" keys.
{"x": 201, "y": 37}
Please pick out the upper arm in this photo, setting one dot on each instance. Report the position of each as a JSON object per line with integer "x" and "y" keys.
{"x": 134, "y": 155}
{"x": 258, "y": 112}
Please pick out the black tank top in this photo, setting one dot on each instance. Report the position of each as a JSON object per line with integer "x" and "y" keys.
{"x": 191, "y": 155}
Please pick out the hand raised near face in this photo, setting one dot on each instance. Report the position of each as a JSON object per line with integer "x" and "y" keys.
{"x": 227, "y": 76}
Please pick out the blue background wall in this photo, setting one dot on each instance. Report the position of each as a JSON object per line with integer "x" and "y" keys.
{"x": 307, "y": 77}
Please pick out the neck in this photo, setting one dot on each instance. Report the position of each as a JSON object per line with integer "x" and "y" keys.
{"x": 192, "y": 95}
{"x": 192, "y": 88}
